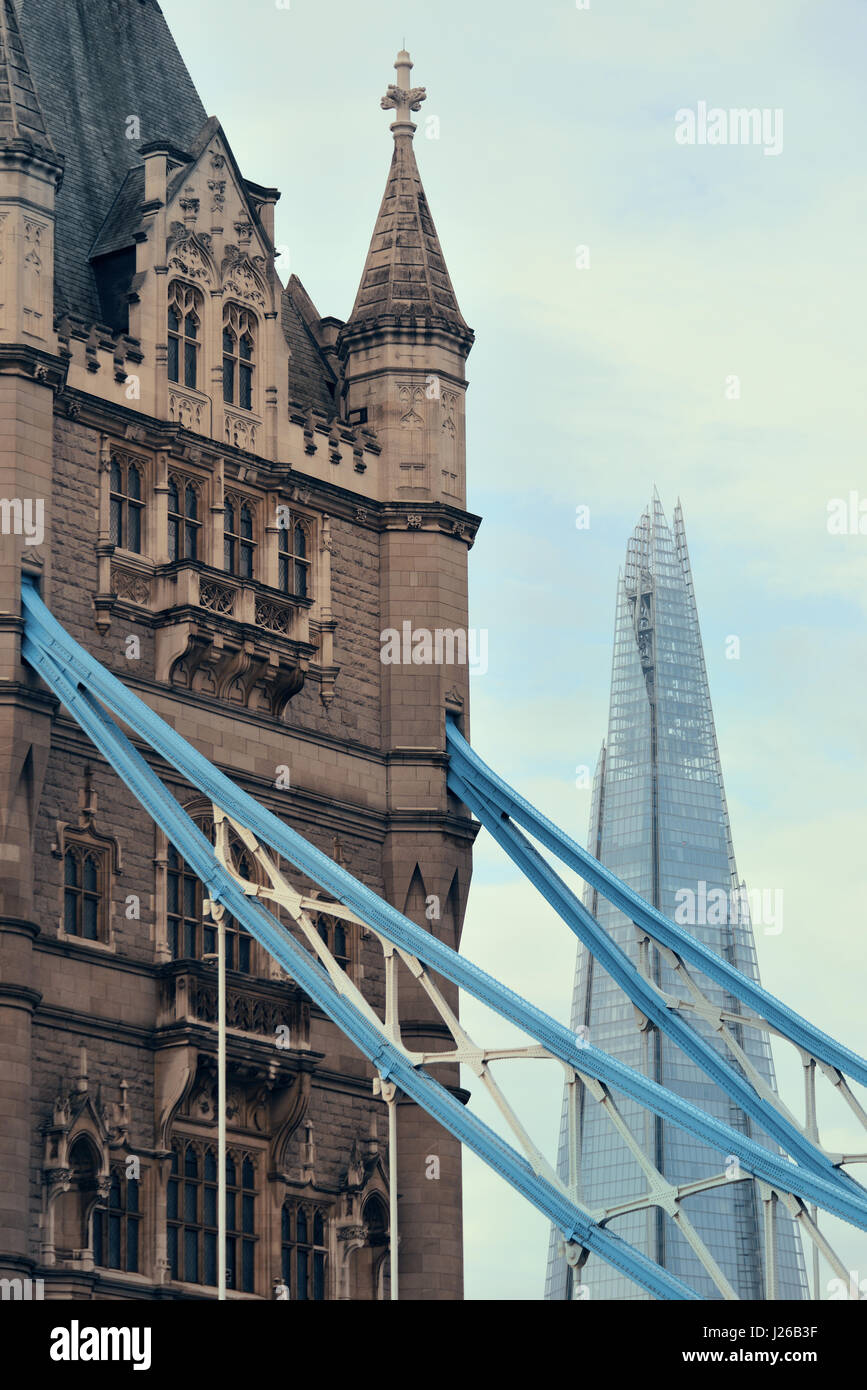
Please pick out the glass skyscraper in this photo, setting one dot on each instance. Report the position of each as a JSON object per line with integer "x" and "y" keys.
{"x": 659, "y": 820}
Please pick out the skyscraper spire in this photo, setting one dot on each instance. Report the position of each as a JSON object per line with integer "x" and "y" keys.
{"x": 659, "y": 819}
{"x": 405, "y": 272}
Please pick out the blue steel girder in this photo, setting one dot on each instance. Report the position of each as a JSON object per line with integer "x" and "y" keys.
{"x": 784, "y": 1020}
{"x": 617, "y": 963}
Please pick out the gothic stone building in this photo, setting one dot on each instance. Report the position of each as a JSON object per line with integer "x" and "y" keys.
{"x": 238, "y": 497}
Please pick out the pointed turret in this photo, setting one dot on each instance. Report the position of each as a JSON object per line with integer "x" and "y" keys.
{"x": 403, "y": 356}
{"x": 404, "y": 348}
{"x": 22, "y": 123}
{"x": 405, "y": 272}
{"x": 30, "y": 174}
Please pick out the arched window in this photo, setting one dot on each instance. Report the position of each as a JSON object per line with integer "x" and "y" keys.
{"x": 127, "y": 505}
{"x": 116, "y": 1228}
{"x": 294, "y": 558}
{"x": 74, "y": 1206}
{"x": 336, "y": 936}
{"x": 190, "y": 934}
{"x": 85, "y": 891}
{"x": 184, "y": 520}
{"x": 184, "y": 334}
{"x": 375, "y": 1217}
{"x": 239, "y": 544}
{"x": 304, "y": 1252}
{"x": 191, "y": 1216}
{"x": 239, "y": 350}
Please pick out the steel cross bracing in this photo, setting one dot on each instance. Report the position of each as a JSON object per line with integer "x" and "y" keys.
{"x": 80, "y": 682}
{"x": 495, "y": 805}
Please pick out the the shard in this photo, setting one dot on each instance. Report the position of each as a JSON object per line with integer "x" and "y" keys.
{"x": 659, "y": 820}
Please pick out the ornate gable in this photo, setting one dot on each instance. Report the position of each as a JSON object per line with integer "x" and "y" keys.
{"x": 214, "y": 221}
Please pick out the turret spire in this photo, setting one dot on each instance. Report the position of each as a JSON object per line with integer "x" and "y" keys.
{"x": 21, "y": 118}
{"x": 405, "y": 273}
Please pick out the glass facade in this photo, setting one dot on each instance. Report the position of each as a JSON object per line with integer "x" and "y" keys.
{"x": 659, "y": 820}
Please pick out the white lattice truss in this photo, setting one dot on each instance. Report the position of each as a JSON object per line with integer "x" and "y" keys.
{"x": 660, "y": 1193}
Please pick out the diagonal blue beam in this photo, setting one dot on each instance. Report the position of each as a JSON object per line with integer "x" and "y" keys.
{"x": 617, "y": 963}
{"x": 779, "y": 1015}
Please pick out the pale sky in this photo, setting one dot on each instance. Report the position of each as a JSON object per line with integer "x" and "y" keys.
{"x": 589, "y": 386}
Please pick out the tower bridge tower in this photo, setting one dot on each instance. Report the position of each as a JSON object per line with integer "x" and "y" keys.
{"x": 238, "y": 495}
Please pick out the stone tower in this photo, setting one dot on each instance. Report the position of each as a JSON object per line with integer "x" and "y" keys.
{"x": 228, "y": 499}
{"x": 30, "y": 371}
{"x": 403, "y": 353}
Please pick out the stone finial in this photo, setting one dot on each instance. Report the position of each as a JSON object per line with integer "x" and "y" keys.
{"x": 402, "y": 98}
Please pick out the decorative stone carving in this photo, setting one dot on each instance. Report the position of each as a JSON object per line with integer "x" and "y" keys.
{"x": 274, "y": 616}
{"x": 240, "y": 277}
{"x": 449, "y": 402}
{"x": 129, "y": 585}
{"x": 229, "y": 663}
{"x": 244, "y": 232}
{"x": 216, "y": 597}
{"x": 408, "y": 395}
{"x": 217, "y": 189}
{"x": 240, "y": 431}
{"x": 189, "y": 412}
{"x": 190, "y": 207}
{"x": 33, "y": 240}
{"x": 358, "y": 1233}
{"x": 189, "y": 256}
{"x": 395, "y": 97}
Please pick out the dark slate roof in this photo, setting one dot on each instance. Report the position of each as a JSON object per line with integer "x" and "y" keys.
{"x": 94, "y": 64}
{"x": 405, "y": 271}
{"x": 124, "y": 216}
{"x": 21, "y": 117}
{"x": 310, "y": 376}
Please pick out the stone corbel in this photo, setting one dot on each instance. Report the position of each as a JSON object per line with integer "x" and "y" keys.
{"x": 286, "y": 1115}
{"x": 177, "y": 643}
{"x": 174, "y": 1074}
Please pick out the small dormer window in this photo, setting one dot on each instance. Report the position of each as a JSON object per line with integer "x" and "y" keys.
{"x": 184, "y": 334}
{"x": 239, "y": 349}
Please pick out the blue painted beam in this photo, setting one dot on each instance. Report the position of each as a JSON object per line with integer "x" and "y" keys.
{"x": 786, "y": 1020}
{"x": 617, "y": 963}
